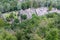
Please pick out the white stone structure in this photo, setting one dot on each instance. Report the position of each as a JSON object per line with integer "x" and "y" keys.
{"x": 38, "y": 11}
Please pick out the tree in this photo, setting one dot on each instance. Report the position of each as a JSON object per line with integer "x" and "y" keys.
{"x": 52, "y": 34}
{"x": 16, "y": 20}
{"x": 4, "y": 35}
{"x": 1, "y": 8}
{"x": 6, "y": 6}
{"x": 18, "y": 5}
{"x": 24, "y": 16}
{"x": 24, "y": 6}
{"x": 35, "y": 37}
{"x": 2, "y": 23}
{"x": 0, "y": 14}
{"x": 35, "y": 4}
{"x": 50, "y": 6}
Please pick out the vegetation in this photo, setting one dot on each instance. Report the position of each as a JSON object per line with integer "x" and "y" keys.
{"x": 8, "y": 5}
{"x": 12, "y": 5}
{"x": 45, "y": 27}
{"x": 24, "y": 16}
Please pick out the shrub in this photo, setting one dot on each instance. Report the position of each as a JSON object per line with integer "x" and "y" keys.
{"x": 16, "y": 20}
{"x": 24, "y": 16}
{"x": 50, "y": 8}
{"x": 51, "y": 15}
{"x": 4, "y": 35}
{"x": 52, "y": 34}
{"x": 35, "y": 37}
{"x": 11, "y": 15}
{"x": 18, "y": 5}
{"x": 24, "y": 6}
{"x": 2, "y": 22}
{"x": 58, "y": 7}
{"x": 7, "y": 18}
{"x": 35, "y": 4}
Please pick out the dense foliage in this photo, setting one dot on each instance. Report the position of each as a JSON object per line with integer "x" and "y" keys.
{"x": 12, "y": 5}
{"x": 18, "y": 27}
{"x": 45, "y": 27}
{"x": 8, "y": 5}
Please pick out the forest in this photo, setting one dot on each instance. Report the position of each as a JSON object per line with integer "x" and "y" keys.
{"x": 16, "y": 26}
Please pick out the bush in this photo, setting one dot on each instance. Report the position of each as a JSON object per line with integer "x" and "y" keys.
{"x": 11, "y": 15}
{"x": 52, "y": 34}
{"x": 2, "y": 22}
{"x": 50, "y": 8}
{"x": 51, "y": 15}
{"x": 8, "y": 19}
{"x": 35, "y": 4}
{"x": 35, "y": 37}
{"x": 24, "y": 6}
{"x": 18, "y": 5}
{"x": 6, "y": 5}
{"x": 16, "y": 20}
{"x": 24, "y": 16}
{"x": 58, "y": 7}
{"x": 4, "y": 35}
